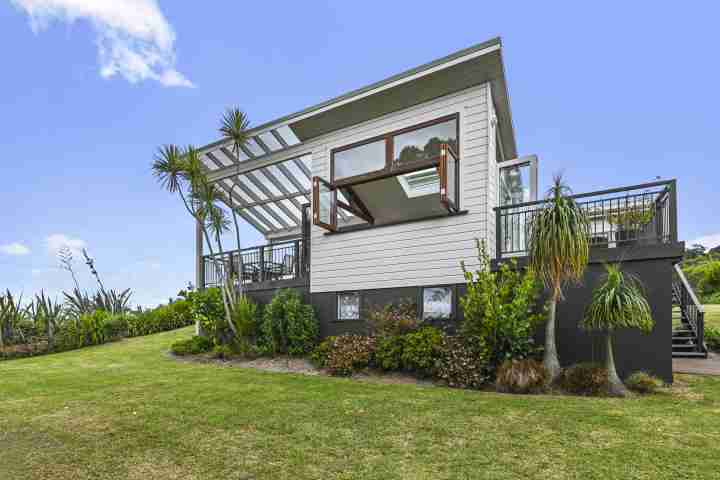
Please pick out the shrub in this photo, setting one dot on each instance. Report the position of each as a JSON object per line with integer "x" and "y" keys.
{"x": 320, "y": 354}
{"x": 347, "y": 354}
{"x": 389, "y": 351}
{"x": 161, "y": 319}
{"x": 116, "y": 327}
{"x": 191, "y": 346}
{"x": 712, "y": 299}
{"x": 642, "y": 382}
{"x": 460, "y": 365}
{"x": 712, "y": 338}
{"x": 223, "y": 352}
{"x": 422, "y": 349}
{"x": 392, "y": 320}
{"x": 245, "y": 318}
{"x": 288, "y": 325}
{"x": 206, "y": 307}
{"x": 500, "y": 311}
{"x": 589, "y": 379}
{"x": 521, "y": 376}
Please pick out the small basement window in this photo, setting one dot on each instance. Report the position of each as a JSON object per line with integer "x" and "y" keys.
{"x": 437, "y": 303}
{"x": 348, "y": 306}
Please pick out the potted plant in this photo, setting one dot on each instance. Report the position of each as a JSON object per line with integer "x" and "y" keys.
{"x": 630, "y": 222}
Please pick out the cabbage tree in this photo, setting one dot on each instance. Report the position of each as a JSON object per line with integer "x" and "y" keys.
{"x": 558, "y": 253}
{"x": 618, "y": 302}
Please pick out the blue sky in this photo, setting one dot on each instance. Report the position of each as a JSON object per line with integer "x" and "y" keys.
{"x": 613, "y": 94}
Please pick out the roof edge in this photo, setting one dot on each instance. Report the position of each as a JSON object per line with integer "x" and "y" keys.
{"x": 496, "y": 41}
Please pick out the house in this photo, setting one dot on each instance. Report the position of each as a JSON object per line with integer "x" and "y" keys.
{"x": 379, "y": 194}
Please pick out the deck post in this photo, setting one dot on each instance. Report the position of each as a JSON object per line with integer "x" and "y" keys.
{"x": 498, "y": 234}
{"x": 673, "y": 211}
{"x": 199, "y": 266}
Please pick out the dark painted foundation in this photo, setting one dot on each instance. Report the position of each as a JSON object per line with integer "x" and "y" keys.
{"x": 633, "y": 350}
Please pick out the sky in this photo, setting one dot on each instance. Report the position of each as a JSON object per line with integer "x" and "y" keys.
{"x": 614, "y": 94}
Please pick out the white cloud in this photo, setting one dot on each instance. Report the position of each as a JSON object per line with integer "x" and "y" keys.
{"x": 57, "y": 241}
{"x": 708, "y": 241}
{"x": 15, "y": 249}
{"x": 134, "y": 39}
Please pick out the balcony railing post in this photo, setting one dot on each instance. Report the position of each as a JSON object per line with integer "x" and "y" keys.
{"x": 261, "y": 262}
{"x": 673, "y": 211}
{"x": 498, "y": 235}
{"x": 296, "y": 258}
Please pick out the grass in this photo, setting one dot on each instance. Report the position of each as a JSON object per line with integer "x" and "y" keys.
{"x": 712, "y": 315}
{"x": 127, "y": 410}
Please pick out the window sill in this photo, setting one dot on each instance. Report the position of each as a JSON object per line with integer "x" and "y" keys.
{"x": 356, "y": 228}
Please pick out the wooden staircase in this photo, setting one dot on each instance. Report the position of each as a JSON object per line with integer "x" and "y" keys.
{"x": 688, "y": 320}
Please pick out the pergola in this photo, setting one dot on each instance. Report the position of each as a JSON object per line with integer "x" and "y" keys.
{"x": 268, "y": 194}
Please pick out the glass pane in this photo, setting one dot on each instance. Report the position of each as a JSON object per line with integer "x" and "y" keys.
{"x": 348, "y": 306}
{"x": 270, "y": 141}
{"x": 451, "y": 174}
{"x": 288, "y": 135}
{"x": 437, "y": 303}
{"x": 515, "y": 184}
{"x": 254, "y": 148}
{"x": 358, "y": 160}
{"x": 325, "y": 204}
{"x": 424, "y": 143}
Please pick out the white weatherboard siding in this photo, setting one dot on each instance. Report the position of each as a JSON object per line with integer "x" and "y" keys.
{"x": 418, "y": 253}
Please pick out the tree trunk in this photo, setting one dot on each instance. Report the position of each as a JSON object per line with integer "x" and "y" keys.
{"x": 616, "y": 387}
{"x": 550, "y": 360}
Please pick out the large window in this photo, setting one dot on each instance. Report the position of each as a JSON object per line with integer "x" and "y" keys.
{"x": 401, "y": 149}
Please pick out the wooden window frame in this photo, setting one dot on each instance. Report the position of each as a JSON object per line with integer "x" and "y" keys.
{"x": 316, "y": 205}
{"x": 389, "y": 169}
{"x": 337, "y": 306}
{"x": 447, "y": 154}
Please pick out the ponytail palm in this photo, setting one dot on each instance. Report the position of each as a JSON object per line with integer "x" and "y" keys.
{"x": 617, "y": 303}
{"x": 558, "y": 254}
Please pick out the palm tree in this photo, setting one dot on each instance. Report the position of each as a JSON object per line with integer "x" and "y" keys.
{"x": 558, "y": 250}
{"x": 233, "y": 128}
{"x": 617, "y": 303}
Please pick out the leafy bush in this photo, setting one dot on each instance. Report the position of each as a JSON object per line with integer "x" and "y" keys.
{"x": 347, "y": 354}
{"x": 422, "y": 349}
{"x": 589, "y": 379}
{"x": 320, "y": 354}
{"x": 500, "y": 311}
{"x": 461, "y": 365}
{"x": 712, "y": 299}
{"x": 192, "y": 346}
{"x": 642, "y": 382}
{"x": 704, "y": 274}
{"x": 392, "y": 320}
{"x": 206, "y": 308}
{"x": 163, "y": 318}
{"x": 116, "y": 327}
{"x": 224, "y": 352}
{"x": 712, "y": 338}
{"x": 389, "y": 351}
{"x": 521, "y": 376}
{"x": 288, "y": 325}
{"x": 245, "y": 318}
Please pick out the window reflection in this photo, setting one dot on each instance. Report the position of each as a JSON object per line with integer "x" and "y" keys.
{"x": 515, "y": 185}
{"x": 348, "y": 306}
{"x": 437, "y": 303}
{"x": 424, "y": 143}
{"x": 369, "y": 157}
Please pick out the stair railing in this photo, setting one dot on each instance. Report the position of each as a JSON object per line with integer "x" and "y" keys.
{"x": 691, "y": 310}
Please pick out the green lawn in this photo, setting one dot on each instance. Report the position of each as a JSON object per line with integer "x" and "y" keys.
{"x": 712, "y": 315}
{"x": 127, "y": 410}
